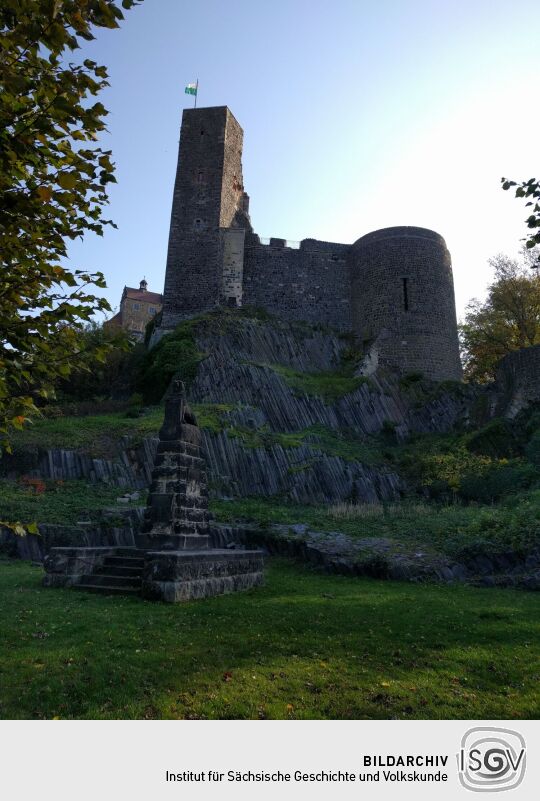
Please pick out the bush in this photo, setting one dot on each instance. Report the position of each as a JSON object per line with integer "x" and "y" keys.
{"x": 94, "y": 379}
{"x": 497, "y": 480}
{"x": 175, "y": 354}
{"x": 497, "y": 439}
{"x": 532, "y": 451}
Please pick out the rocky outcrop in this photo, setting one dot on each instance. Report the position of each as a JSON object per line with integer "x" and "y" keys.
{"x": 383, "y": 557}
{"x": 238, "y": 370}
{"x": 244, "y": 369}
{"x": 130, "y": 466}
{"x": 305, "y": 474}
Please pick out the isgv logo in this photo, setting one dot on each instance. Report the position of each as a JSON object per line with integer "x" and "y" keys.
{"x": 491, "y": 759}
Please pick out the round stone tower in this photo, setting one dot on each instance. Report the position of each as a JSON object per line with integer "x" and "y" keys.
{"x": 403, "y": 305}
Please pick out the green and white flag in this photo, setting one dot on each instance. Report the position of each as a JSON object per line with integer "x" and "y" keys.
{"x": 191, "y": 89}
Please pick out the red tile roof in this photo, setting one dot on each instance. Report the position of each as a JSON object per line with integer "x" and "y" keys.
{"x": 139, "y": 294}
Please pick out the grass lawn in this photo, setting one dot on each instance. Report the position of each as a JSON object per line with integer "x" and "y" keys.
{"x": 305, "y": 645}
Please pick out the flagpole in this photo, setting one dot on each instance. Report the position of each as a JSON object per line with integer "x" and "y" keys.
{"x": 196, "y": 90}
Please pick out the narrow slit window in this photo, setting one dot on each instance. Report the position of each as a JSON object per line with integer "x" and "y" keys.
{"x": 405, "y": 294}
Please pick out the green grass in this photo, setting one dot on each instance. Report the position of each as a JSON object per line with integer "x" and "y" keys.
{"x": 303, "y": 646}
{"x": 454, "y": 529}
{"x": 61, "y": 502}
{"x": 98, "y": 434}
{"x": 329, "y": 385}
{"x": 346, "y": 444}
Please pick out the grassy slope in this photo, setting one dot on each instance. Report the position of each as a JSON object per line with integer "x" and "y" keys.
{"x": 96, "y": 434}
{"x": 452, "y": 529}
{"x": 311, "y": 646}
{"x": 64, "y": 502}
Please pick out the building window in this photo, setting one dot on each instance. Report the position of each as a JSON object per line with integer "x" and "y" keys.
{"x": 136, "y": 307}
{"x": 151, "y": 310}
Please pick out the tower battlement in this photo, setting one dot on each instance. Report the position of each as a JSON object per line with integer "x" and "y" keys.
{"x": 393, "y": 287}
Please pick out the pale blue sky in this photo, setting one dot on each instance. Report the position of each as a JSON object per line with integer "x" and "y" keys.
{"x": 356, "y": 116}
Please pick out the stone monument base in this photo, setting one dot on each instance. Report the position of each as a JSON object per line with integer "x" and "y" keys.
{"x": 184, "y": 575}
{"x": 167, "y": 575}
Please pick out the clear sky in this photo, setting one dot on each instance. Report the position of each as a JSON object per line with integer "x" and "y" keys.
{"x": 357, "y": 115}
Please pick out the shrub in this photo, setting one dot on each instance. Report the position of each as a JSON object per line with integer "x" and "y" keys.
{"x": 497, "y": 439}
{"x": 532, "y": 451}
{"x": 410, "y": 379}
{"x": 175, "y": 354}
{"x": 498, "y": 480}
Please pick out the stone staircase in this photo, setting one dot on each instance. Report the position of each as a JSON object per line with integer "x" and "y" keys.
{"x": 118, "y": 575}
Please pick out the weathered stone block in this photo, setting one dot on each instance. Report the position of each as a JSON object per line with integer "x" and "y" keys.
{"x": 184, "y": 576}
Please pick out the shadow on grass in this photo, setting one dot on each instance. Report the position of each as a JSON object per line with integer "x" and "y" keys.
{"x": 305, "y": 645}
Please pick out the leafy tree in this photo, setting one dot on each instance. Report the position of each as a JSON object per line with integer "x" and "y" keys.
{"x": 529, "y": 189}
{"x": 53, "y": 187}
{"x": 111, "y": 377}
{"x": 507, "y": 320}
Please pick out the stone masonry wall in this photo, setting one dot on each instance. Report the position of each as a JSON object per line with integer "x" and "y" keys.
{"x": 232, "y": 242}
{"x": 518, "y": 381}
{"x": 403, "y": 301}
{"x": 207, "y": 192}
{"x": 392, "y": 287}
{"x": 309, "y": 283}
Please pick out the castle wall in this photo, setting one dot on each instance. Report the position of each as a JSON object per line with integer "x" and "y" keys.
{"x": 207, "y": 193}
{"x": 403, "y": 305}
{"x": 232, "y": 241}
{"x": 393, "y": 287}
{"x": 309, "y": 283}
{"x": 518, "y": 381}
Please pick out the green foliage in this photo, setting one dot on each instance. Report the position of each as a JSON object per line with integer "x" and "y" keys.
{"x": 509, "y": 318}
{"x": 175, "y": 354}
{"x": 448, "y": 528}
{"x": 530, "y": 190}
{"x": 108, "y": 377}
{"x": 212, "y": 416}
{"x": 497, "y": 440}
{"x": 330, "y": 385}
{"x": 53, "y": 187}
{"x": 309, "y": 646}
{"x": 497, "y": 480}
{"x": 99, "y": 434}
{"x": 410, "y": 379}
{"x": 532, "y": 450}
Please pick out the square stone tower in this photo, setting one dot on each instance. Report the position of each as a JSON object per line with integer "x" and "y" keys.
{"x": 208, "y": 199}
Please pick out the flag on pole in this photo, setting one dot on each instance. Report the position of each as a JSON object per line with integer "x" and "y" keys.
{"x": 191, "y": 89}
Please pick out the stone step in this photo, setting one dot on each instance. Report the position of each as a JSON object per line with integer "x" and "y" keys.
{"x": 126, "y": 550}
{"x": 118, "y": 570}
{"x": 108, "y": 580}
{"x": 124, "y": 561}
{"x": 106, "y": 590}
